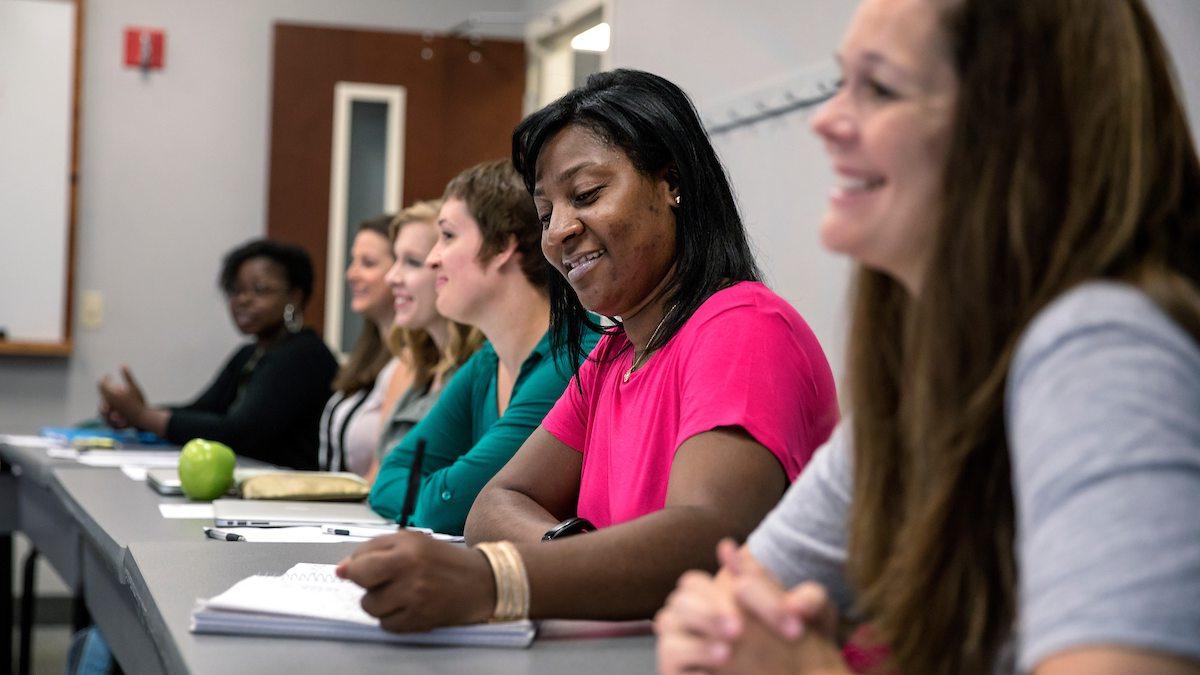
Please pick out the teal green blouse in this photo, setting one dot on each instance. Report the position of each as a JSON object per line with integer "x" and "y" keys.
{"x": 466, "y": 440}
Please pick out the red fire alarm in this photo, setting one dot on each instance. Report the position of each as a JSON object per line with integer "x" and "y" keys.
{"x": 144, "y": 47}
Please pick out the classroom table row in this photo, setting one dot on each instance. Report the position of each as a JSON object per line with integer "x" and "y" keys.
{"x": 140, "y": 575}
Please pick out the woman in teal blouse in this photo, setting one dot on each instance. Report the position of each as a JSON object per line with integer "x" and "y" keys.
{"x": 490, "y": 274}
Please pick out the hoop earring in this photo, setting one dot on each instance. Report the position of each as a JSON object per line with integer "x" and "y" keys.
{"x": 292, "y": 318}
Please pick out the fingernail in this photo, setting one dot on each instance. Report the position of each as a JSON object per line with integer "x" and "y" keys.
{"x": 791, "y": 628}
{"x": 719, "y": 652}
{"x": 729, "y": 626}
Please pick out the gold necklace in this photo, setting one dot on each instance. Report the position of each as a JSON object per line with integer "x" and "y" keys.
{"x": 640, "y": 359}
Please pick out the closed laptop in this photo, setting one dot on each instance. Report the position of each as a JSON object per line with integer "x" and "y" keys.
{"x": 271, "y": 513}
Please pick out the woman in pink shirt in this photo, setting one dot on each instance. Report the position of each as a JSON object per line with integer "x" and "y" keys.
{"x": 685, "y": 424}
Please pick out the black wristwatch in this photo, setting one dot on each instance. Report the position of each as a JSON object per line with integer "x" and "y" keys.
{"x": 569, "y": 527}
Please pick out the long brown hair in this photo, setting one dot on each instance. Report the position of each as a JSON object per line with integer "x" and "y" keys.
{"x": 368, "y": 356}
{"x": 1070, "y": 160}
{"x": 415, "y": 347}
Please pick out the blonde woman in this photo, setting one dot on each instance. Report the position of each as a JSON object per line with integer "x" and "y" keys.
{"x": 427, "y": 347}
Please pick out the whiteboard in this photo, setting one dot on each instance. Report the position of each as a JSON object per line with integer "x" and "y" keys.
{"x": 37, "y": 45}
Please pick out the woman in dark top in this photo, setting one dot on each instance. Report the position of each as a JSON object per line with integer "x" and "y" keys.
{"x": 266, "y": 401}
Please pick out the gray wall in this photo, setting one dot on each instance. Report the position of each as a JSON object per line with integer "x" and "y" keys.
{"x": 1179, "y": 22}
{"x": 174, "y": 170}
{"x": 174, "y": 174}
{"x": 713, "y": 48}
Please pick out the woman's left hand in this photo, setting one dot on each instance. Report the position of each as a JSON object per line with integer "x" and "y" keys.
{"x": 787, "y": 630}
{"x": 415, "y": 583}
{"x": 744, "y": 621}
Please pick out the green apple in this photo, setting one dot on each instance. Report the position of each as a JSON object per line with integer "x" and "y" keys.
{"x": 206, "y": 469}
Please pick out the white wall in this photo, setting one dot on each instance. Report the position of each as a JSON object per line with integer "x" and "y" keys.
{"x": 174, "y": 174}
{"x": 715, "y": 48}
{"x": 1179, "y": 22}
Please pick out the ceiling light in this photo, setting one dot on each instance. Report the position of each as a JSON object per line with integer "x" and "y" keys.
{"x": 594, "y": 39}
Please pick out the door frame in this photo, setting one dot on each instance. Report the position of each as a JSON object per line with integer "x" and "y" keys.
{"x": 345, "y": 95}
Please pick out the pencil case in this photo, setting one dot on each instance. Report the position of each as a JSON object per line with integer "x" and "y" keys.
{"x": 306, "y": 486}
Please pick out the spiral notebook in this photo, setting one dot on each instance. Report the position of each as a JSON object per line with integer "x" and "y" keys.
{"x": 310, "y": 601}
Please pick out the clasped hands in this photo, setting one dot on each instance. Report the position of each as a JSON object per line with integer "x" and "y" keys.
{"x": 745, "y": 621}
{"x": 121, "y": 402}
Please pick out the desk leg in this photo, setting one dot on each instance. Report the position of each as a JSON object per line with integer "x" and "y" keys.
{"x": 6, "y": 598}
{"x": 28, "y": 594}
{"x": 80, "y": 616}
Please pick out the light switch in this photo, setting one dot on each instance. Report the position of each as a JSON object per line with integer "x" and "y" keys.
{"x": 91, "y": 309}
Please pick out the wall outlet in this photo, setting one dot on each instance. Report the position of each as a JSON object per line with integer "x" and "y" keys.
{"x": 91, "y": 309}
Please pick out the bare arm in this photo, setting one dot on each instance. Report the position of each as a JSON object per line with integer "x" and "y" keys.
{"x": 372, "y": 472}
{"x": 154, "y": 420}
{"x": 722, "y": 483}
{"x": 536, "y": 489}
{"x": 1111, "y": 660}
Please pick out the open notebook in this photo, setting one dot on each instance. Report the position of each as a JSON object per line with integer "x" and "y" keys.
{"x": 309, "y": 601}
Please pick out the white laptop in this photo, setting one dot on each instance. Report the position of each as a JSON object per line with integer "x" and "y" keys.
{"x": 271, "y": 513}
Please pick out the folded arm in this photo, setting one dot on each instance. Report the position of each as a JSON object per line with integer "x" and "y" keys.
{"x": 722, "y": 483}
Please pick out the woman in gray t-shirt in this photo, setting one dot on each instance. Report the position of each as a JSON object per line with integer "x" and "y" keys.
{"x": 1017, "y": 485}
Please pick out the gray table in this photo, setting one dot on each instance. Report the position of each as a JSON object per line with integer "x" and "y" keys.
{"x": 113, "y": 512}
{"x": 29, "y": 504}
{"x": 39, "y": 512}
{"x": 140, "y": 575}
{"x": 167, "y": 578}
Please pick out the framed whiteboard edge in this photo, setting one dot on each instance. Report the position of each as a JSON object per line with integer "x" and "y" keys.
{"x": 64, "y": 346}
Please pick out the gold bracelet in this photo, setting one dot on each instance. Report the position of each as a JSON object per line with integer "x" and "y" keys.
{"x": 512, "y": 583}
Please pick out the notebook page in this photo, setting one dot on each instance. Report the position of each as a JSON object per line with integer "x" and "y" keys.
{"x": 306, "y": 590}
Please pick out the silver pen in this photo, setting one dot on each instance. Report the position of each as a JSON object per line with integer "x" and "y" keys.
{"x": 222, "y": 535}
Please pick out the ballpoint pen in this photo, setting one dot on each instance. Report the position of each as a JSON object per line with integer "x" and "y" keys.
{"x": 222, "y": 535}
{"x": 359, "y": 531}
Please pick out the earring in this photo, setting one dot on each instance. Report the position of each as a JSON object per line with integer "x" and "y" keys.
{"x": 292, "y": 318}
{"x": 677, "y": 200}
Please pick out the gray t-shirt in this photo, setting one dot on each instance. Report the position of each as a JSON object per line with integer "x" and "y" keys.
{"x": 1103, "y": 419}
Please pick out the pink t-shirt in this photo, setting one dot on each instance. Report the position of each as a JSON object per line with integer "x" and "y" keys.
{"x": 744, "y": 359}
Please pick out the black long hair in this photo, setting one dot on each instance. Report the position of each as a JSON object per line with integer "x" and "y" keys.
{"x": 656, "y": 125}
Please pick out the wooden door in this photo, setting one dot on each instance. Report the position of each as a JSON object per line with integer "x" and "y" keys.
{"x": 463, "y": 100}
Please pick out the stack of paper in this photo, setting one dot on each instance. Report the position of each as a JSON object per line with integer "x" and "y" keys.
{"x": 118, "y": 458}
{"x": 309, "y": 601}
{"x": 31, "y": 441}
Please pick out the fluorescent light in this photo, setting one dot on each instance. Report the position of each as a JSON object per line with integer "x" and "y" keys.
{"x": 594, "y": 39}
